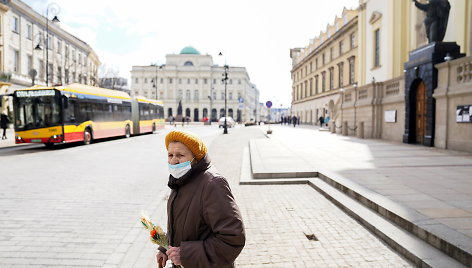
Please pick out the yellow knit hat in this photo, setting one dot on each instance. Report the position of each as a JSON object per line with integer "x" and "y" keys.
{"x": 193, "y": 143}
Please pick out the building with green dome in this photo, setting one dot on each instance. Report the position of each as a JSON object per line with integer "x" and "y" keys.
{"x": 189, "y": 50}
{"x": 194, "y": 80}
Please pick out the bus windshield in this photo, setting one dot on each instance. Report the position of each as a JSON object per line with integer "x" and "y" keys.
{"x": 36, "y": 112}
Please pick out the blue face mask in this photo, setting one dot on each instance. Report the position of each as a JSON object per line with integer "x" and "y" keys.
{"x": 178, "y": 170}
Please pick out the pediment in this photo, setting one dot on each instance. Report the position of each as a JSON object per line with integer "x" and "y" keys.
{"x": 375, "y": 17}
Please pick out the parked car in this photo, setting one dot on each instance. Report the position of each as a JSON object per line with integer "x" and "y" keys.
{"x": 229, "y": 122}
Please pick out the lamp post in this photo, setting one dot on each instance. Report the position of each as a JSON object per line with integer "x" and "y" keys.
{"x": 225, "y": 80}
{"x": 155, "y": 80}
{"x": 54, "y": 9}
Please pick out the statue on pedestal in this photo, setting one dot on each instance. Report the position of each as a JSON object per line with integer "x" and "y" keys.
{"x": 437, "y": 15}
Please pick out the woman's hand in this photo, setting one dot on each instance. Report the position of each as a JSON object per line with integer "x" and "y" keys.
{"x": 162, "y": 256}
{"x": 174, "y": 255}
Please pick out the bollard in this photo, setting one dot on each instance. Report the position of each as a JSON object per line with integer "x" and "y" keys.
{"x": 360, "y": 128}
{"x": 344, "y": 129}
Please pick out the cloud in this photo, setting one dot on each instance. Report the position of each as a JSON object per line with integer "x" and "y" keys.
{"x": 257, "y": 34}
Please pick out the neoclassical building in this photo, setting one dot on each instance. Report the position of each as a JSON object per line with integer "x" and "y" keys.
{"x": 324, "y": 67}
{"x": 194, "y": 81}
{"x": 383, "y": 100}
{"x": 30, "y": 42}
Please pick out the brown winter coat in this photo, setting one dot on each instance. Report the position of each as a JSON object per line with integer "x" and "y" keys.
{"x": 203, "y": 219}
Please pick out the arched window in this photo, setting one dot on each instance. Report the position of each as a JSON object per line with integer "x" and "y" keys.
{"x": 222, "y": 112}
{"x": 188, "y": 63}
{"x": 169, "y": 112}
{"x": 195, "y": 115}
{"x": 187, "y": 112}
{"x": 230, "y": 112}
{"x": 205, "y": 112}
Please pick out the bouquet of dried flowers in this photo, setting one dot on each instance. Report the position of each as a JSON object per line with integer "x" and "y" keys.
{"x": 157, "y": 235}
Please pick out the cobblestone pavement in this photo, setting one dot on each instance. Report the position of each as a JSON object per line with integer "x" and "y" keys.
{"x": 79, "y": 207}
{"x": 278, "y": 218}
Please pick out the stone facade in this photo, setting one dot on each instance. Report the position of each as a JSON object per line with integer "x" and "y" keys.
{"x": 454, "y": 89}
{"x": 193, "y": 80}
{"x": 323, "y": 68}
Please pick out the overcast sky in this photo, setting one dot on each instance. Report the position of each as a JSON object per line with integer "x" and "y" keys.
{"x": 256, "y": 34}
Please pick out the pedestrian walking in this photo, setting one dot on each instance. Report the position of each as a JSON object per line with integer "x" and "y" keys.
{"x": 4, "y": 121}
{"x": 294, "y": 120}
{"x": 298, "y": 120}
{"x": 204, "y": 226}
{"x": 321, "y": 119}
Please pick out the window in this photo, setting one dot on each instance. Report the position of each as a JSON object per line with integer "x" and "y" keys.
{"x": 187, "y": 94}
{"x": 59, "y": 47}
{"x": 311, "y": 86}
{"x": 170, "y": 80}
{"x": 136, "y": 80}
{"x": 214, "y": 81}
{"x": 230, "y": 95}
{"x": 331, "y": 53}
{"x": 16, "y": 61}
{"x": 316, "y": 84}
{"x": 377, "y": 48}
{"x": 188, "y": 81}
{"x": 214, "y": 95}
{"x": 196, "y": 81}
{"x": 188, "y": 63}
{"x": 341, "y": 74}
{"x": 145, "y": 80}
{"x": 341, "y": 47}
{"x": 195, "y": 95}
{"x": 316, "y": 63}
{"x": 353, "y": 40}
{"x": 162, "y": 80}
{"x": 323, "y": 59}
{"x": 323, "y": 81}
{"x": 331, "y": 78}
{"x": 180, "y": 81}
{"x": 30, "y": 63}
{"x": 222, "y": 95}
{"x": 239, "y": 81}
{"x": 231, "y": 81}
{"x": 205, "y": 81}
{"x": 29, "y": 31}
{"x": 351, "y": 70}
{"x": 180, "y": 94}
{"x": 15, "y": 25}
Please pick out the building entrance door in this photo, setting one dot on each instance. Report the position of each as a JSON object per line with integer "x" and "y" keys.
{"x": 420, "y": 116}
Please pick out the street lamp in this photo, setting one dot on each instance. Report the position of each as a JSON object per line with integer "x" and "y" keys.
{"x": 54, "y": 9}
{"x": 225, "y": 80}
{"x": 155, "y": 81}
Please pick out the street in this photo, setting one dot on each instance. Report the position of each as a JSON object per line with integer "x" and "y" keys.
{"x": 79, "y": 206}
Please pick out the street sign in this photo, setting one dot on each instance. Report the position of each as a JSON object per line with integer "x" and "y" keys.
{"x": 269, "y": 104}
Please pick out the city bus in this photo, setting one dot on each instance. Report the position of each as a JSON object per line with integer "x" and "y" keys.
{"x": 148, "y": 115}
{"x": 72, "y": 113}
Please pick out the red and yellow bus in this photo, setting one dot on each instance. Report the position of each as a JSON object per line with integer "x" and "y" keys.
{"x": 148, "y": 115}
{"x": 72, "y": 113}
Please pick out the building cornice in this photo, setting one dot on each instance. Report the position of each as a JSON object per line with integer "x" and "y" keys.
{"x": 346, "y": 28}
{"x": 39, "y": 19}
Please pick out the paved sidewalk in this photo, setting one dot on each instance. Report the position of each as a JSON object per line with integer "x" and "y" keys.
{"x": 10, "y": 141}
{"x": 429, "y": 187}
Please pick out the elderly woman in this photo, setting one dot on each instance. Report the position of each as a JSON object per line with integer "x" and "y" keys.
{"x": 204, "y": 227}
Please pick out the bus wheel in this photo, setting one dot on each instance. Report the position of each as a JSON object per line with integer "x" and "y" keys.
{"x": 153, "y": 127}
{"x": 87, "y": 136}
{"x": 127, "y": 132}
